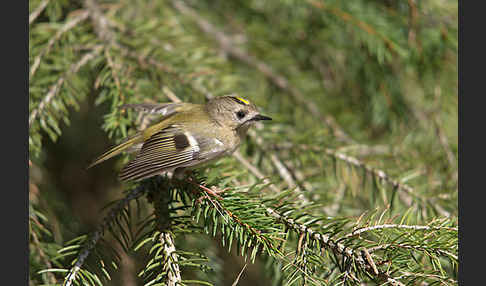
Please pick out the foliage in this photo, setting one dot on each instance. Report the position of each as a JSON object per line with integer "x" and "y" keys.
{"x": 353, "y": 182}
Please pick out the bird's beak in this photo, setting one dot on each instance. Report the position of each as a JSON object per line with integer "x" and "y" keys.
{"x": 259, "y": 117}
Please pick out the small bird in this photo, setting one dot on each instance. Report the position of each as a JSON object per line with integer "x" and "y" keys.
{"x": 186, "y": 136}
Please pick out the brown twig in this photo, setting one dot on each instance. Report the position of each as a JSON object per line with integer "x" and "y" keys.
{"x": 38, "y": 11}
{"x": 412, "y": 30}
{"x": 42, "y": 256}
{"x": 299, "y": 176}
{"x": 362, "y": 150}
{"x": 239, "y": 276}
{"x": 279, "y": 165}
{"x": 254, "y": 170}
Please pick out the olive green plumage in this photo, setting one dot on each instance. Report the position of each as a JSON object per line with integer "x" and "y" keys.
{"x": 186, "y": 135}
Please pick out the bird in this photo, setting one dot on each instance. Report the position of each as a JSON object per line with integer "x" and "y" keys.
{"x": 185, "y": 136}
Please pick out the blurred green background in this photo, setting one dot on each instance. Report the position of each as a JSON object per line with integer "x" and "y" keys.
{"x": 376, "y": 80}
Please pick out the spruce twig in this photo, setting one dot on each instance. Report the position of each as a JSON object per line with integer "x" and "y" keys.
{"x": 161, "y": 200}
{"x": 411, "y": 227}
{"x": 171, "y": 265}
{"x": 73, "y": 22}
{"x": 96, "y": 236}
{"x": 415, "y": 247}
{"x": 54, "y": 90}
{"x": 407, "y": 192}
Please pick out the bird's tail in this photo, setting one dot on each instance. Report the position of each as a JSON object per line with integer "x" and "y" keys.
{"x": 135, "y": 139}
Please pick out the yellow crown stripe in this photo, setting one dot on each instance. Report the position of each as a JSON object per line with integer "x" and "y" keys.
{"x": 243, "y": 100}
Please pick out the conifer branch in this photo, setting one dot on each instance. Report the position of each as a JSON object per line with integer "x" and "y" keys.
{"x": 145, "y": 61}
{"x": 96, "y": 236}
{"x": 54, "y": 90}
{"x": 100, "y": 22}
{"x": 394, "y": 281}
{"x": 257, "y": 173}
{"x": 407, "y": 192}
{"x": 226, "y": 44}
{"x": 113, "y": 68}
{"x": 415, "y": 247}
{"x": 338, "y": 248}
{"x": 235, "y": 283}
{"x": 430, "y": 120}
{"x": 171, "y": 265}
{"x": 358, "y": 23}
{"x": 260, "y": 235}
{"x": 358, "y": 257}
{"x": 409, "y": 274}
{"x": 162, "y": 197}
{"x": 326, "y": 240}
{"x": 106, "y": 35}
{"x": 411, "y": 227}
{"x": 83, "y": 15}
{"x": 362, "y": 258}
{"x": 104, "y": 32}
{"x": 362, "y": 150}
{"x": 376, "y": 172}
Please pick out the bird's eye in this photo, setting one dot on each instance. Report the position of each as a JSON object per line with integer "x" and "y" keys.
{"x": 240, "y": 114}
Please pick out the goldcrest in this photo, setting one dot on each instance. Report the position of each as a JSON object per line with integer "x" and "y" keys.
{"x": 186, "y": 136}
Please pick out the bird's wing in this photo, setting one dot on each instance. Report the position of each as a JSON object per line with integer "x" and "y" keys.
{"x": 162, "y": 111}
{"x": 124, "y": 146}
{"x": 167, "y": 149}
